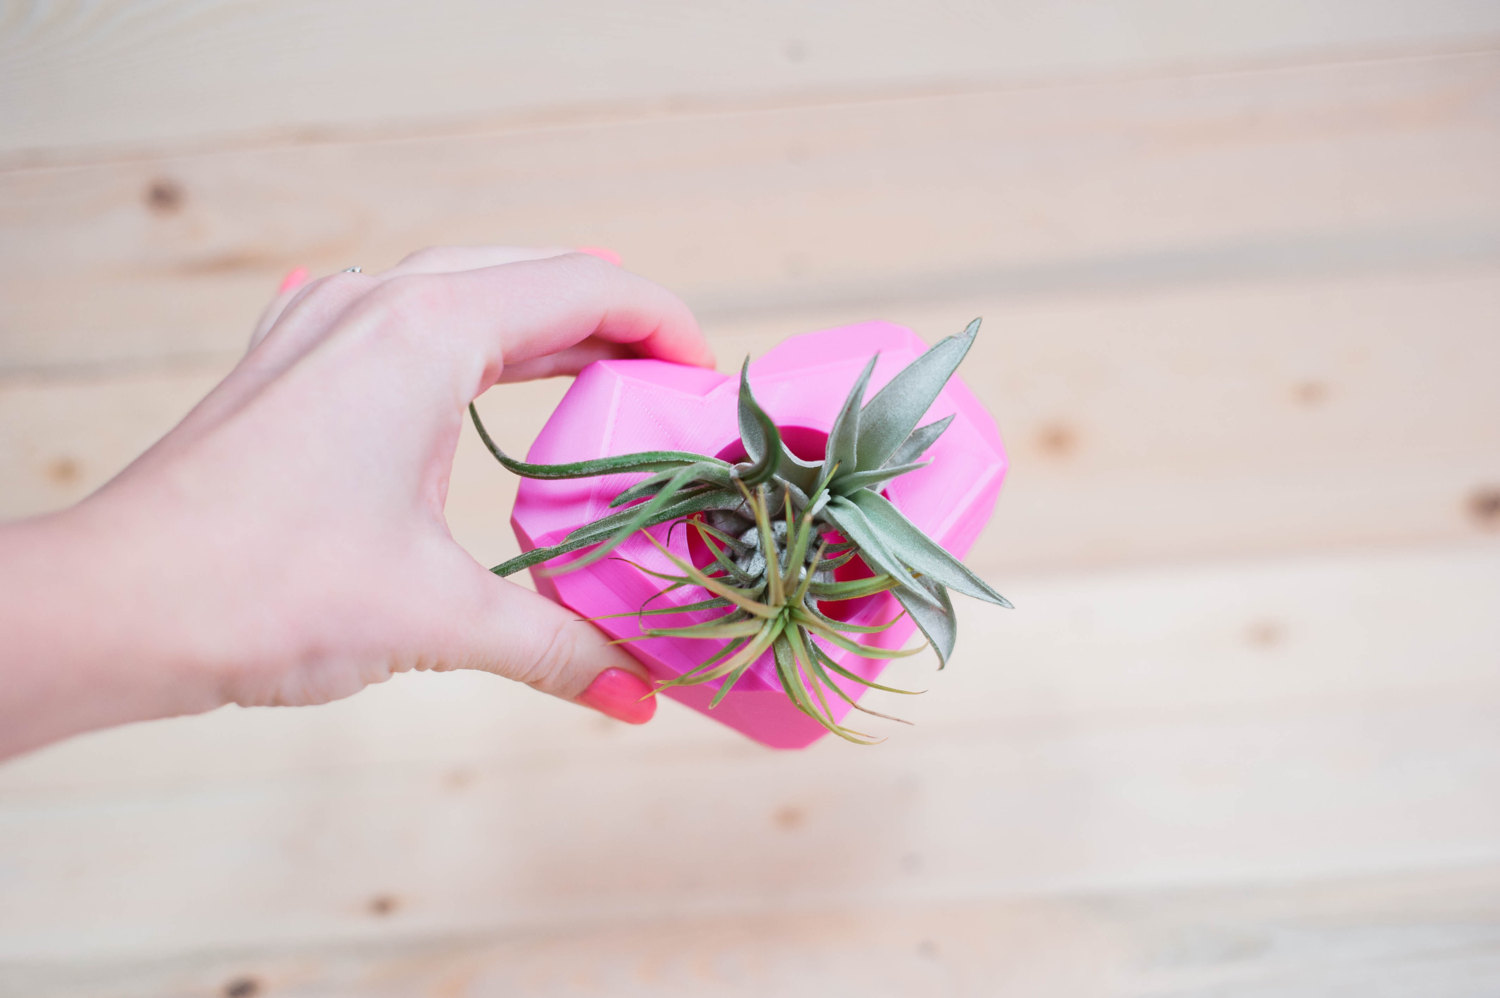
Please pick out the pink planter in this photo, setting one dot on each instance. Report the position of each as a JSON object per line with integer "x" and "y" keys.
{"x": 616, "y": 407}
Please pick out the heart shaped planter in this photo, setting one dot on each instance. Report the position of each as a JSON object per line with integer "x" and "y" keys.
{"x": 627, "y": 406}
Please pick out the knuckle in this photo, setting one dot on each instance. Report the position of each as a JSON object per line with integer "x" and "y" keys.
{"x": 554, "y": 653}
{"x": 413, "y": 294}
{"x": 401, "y": 309}
{"x": 341, "y": 290}
{"x": 426, "y": 256}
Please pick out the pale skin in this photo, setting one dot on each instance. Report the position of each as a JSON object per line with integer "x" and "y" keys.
{"x": 285, "y": 543}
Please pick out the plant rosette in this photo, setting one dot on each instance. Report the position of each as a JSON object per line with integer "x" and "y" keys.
{"x": 929, "y": 459}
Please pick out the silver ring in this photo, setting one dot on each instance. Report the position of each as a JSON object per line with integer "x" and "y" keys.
{"x": 354, "y": 270}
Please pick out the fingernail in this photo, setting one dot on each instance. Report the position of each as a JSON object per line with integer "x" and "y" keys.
{"x": 620, "y": 694}
{"x": 295, "y": 278}
{"x": 607, "y": 255}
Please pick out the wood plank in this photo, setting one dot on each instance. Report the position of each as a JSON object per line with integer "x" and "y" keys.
{"x": 118, "y": 73}
{"x": 1161, "y": 740}
{"x": 1217, "y": 420}
{"x": 1432, "y": 933}
{"x": 1371, "y": 167}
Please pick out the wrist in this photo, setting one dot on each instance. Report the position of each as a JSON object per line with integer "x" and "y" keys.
{"x": 87, "y": 643}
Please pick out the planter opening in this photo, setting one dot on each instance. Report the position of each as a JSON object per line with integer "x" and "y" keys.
{"x": 809, "y": 445}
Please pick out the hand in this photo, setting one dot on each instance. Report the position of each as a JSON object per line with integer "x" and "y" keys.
{"x": 285, "y": 544}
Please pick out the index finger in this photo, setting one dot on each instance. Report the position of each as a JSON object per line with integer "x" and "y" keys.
{"x": 525, "y": 310}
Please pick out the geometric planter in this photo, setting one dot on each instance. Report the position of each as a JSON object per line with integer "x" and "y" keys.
{"x": 623, "y": 406}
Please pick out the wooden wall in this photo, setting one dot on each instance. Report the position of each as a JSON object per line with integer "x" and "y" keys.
{"x": 1239, "y": 266}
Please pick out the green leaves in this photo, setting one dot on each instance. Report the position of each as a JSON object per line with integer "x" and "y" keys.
{"x": 894, "y": 411}
{"x": 758, "y": 434}
{"x": 920, "y": 552}
{"x": 600, "y": 530}
{"x": 843, "y": 439}
{"x": 937, "y": 623}
{"x": 916, "y": 445}
{"x": 851, "y": 521}
{"x": 768, "y": 521}
{"x": 648, "y": 461}
{"x": 764, "y": 445}
{"x": 777, "y": 612}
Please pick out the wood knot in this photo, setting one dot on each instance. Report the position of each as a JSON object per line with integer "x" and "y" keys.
{"x": 1310, "y": 393}
{"x": 63, "y": 471}
{"x": 1264, "y": 634}
{"x": 1057, "y": 439}
{"x": 459, "y": 778}
{"x": 1484, "y": 506}
{"x": 789, "y": 817}
{"x": 382, "y": 905}
{"x": 164, "y": 196}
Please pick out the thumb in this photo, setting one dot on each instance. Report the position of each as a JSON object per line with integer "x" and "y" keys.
{"x": 529, "y": 638}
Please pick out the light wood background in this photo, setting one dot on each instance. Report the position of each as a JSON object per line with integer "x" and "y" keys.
{"x": 1240, "y": 269}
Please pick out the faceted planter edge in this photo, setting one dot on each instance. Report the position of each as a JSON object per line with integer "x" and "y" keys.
{"x": 617, "y": 407}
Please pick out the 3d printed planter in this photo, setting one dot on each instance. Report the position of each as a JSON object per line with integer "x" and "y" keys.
{"x": 619, "y": 407}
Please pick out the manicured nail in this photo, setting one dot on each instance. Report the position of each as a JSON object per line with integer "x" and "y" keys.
{"x": 295, "y": 278}
{"x": 620, "y": 694}
{"x": 607, "y": 255}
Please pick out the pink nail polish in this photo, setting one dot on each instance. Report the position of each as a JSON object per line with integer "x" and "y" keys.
{"x": 607, "y": 255}
{"x": 294, "y": 279}
{"x": 620, "y": 694}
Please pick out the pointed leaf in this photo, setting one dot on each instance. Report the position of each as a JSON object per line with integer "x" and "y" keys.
{"x": 802, "y": 474}
{"x": 845, "y": 484}
{"x": 709, "y": 629}
{"x": 837, "y": 592}
{"x": 792, "y": 681}
{"x": 639, "y": 517}
{"x": 814, "y": 620}
{"x": 645, "y": 461}
{"x": 705, "y": 473}
{"x": 921, "y": 438}
{"x": 829, "y": 661}
{"x": 699, "y": 499}
{"x": 691, "y": 678}
{"x": 873, "y": 652}
{"x": 843, "y": 438}
{"x": 824, "y": 678}
{"x": 717, "y": 603}
{"x": 895, "y": 410}
{"x": 938, "y": 623}
{"x": 853, "y": 524}
{"x": 757, "y": 430}
{"x": 907, "y": 541}
{"x": 691, "y": 504}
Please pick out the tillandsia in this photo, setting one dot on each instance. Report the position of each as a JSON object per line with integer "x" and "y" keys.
{"x": 774, "y": 606}
{"x": 869, "y": 445}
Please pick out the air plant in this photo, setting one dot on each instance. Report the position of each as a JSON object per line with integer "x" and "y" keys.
{"x": 775, "y": 606}
{"x": 869, "y": 445}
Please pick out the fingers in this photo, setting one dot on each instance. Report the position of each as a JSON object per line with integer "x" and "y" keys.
{"x": 532, "y": 640}
{"x": 564, "y": 362}
{"x": 451, "y": 259}
{"x": 284, "y": 294}
{"x": 433, "y": 260}
{"x": 521, "y": 311}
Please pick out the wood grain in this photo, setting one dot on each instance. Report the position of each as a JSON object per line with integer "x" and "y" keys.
{"x": 127, "y": 74}
{"x": 1140, "y": 734}
{"x": 1434, "y": 933}
{"x": 1240, "y": 270}
{"x": 1372, "y": 168}
{"x": 1144, "y": 427}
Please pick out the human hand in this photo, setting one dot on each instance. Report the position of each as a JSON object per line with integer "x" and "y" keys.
{"x": 285, "y": 544}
